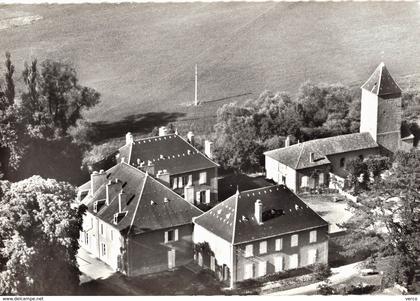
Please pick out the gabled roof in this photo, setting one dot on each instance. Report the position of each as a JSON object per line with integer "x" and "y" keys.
{"x": 382, "y": 84}
{"x": 146, "y": 208}
{"x": 297, "y": 156}
{"x": 234, "y": 220}
{"x": 170, "y": 152}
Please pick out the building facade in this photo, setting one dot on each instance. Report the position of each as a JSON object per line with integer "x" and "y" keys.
{"x": 259, "y": 232}
{"x": 134, "y": 223}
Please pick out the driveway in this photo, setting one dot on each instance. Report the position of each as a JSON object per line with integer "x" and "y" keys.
{"x": 339, "y": 275}
{"x": 91, "y": 267}
{"x": 333, "y": 212}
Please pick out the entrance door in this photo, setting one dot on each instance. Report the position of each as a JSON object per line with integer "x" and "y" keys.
{"x": 171, "y": 259}
{"x": 200, "y": 259}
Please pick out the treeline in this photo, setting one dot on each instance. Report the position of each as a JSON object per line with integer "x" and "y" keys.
{"x": 244, "y": 131}
{"x": 42, "y": 130}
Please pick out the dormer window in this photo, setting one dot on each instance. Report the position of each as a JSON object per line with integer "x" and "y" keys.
{"x": 119, "y": 216}
{"x": 342, "y": 162}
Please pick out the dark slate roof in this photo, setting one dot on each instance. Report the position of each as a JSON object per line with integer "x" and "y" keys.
{"x": 170, "y": 152}
{"x": 142, "y": 215}
{"x": 297, "y": 156}
{"x": 234, "y": 221}
{"x": 382, "y": 84}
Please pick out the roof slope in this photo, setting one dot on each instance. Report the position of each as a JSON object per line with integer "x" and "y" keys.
{"x": 382, "y": 84}
{"x": 234, "y": 221}
{"x": 142, "y": 214}
{"x": 297, "y": 156}
{"x": 170, "y": 152}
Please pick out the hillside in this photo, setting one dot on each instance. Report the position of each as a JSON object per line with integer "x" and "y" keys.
{"x": 141, "y": 57}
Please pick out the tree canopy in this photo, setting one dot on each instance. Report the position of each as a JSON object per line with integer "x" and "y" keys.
{"x": 244, "y": 131}
{"x": 386, "y": 218}
{"x": 38, "y": 227}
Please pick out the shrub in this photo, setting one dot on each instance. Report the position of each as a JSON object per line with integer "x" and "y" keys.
{"x": 322, "y": 271}
{"x": 325, "y": 288}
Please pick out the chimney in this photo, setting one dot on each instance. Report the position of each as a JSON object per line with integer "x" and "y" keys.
{"x": 190, "y": 137}
{"x": 150, "y": 167}
{"x": 287, "y": 141}
{"x": 163, "y": 175}
{"x": 112, "y": 186}
{"x": 129, "y": 138}
{"x": 122, "y": 200}
{"x": 163, "y": 131}
{"x": 258, "y": 211}
{"x": 311, "y": 157}
{"x": 208, "y": 149}
{"x": 97, "y": 180}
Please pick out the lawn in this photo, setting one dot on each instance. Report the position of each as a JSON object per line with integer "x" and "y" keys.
{"x": 141, "y": 57}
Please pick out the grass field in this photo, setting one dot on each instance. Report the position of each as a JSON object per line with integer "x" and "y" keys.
{"x": 141, "y": 57}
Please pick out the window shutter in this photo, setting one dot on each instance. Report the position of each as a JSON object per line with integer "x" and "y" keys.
{"x": 190, "y": 180}
{"x": 203, "y": 177}
{"x": 278, "y": 264}
{"x": 166, "y": 236}
{"x": 176, "y": 234}
{"x": 262, "y": 268}
{"x": 279, "y": 244}
{"x": 208, "y": 196}
{"x": 180, "y": 182}
{"x": 198, "y": 197}
{"x": 175, "y": 183}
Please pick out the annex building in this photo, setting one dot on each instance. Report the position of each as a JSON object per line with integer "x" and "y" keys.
{"x": 322, "y": 162}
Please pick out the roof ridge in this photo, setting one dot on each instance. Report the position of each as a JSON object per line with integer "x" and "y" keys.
{"x": 154, "y": 137}
{"x": 300, "y": 155}
{"x": 265, "y": 187}
{"x": 235, "y": 216}
{"x": 138, "y": 203}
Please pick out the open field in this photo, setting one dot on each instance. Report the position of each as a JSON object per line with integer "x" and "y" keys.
{"x": 141, "y": 57}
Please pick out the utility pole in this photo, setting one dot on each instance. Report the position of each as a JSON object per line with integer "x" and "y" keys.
{"x": 196, "y": 84}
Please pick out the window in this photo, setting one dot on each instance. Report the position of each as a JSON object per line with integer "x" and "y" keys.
{"x": 294, "y": 240}
{"x": 278, "y": 264}
{"x": 180, "y": 182}
{"x": 171, "y": 235}
{"x": 263, "y": 247}
{"x": 86, "y": 238}
{"x": 103, "y": 249}
{"x": 342, "y": 162}
{"x": 212, "y": 263}
{"x": 321, "y": 179}
{"x": 283, "y": 179}
{"x": 262, "y": 268}
{"x": 361, "y": 157}
{"x": 249, "y": 251}
{"x": 312, "y": 236}
{"x": 249, "y": 271}
{"x": 203, "y": 178}
{"x": 174, "y": 183}
{"x": 312, "y": 256}
{"x": 293, "y": 261}
{"x": 102, "y": 229}
{"x": 279, "y": 244}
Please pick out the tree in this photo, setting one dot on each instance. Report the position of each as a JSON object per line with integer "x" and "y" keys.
{"x": 386, "y": 219}
{"x": 39, "y": 233}
{"x": 11, "y": 131}
{"x": 54, "y": 99}
{"x": 322, "y": 271}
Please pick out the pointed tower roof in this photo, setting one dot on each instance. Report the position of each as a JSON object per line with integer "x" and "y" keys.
{"x": 382, "y": 84}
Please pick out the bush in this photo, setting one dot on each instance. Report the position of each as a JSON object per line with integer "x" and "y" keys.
{"x": 325, "y": 288}
{"x": 322, "y": 271}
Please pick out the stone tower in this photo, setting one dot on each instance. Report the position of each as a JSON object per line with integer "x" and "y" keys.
{"x": 381, "y": 109}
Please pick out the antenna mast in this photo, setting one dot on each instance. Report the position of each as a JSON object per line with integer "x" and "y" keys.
{"x": 196, "y": 84}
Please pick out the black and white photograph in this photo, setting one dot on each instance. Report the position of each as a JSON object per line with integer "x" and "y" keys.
{"x": 209, "y": 149}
